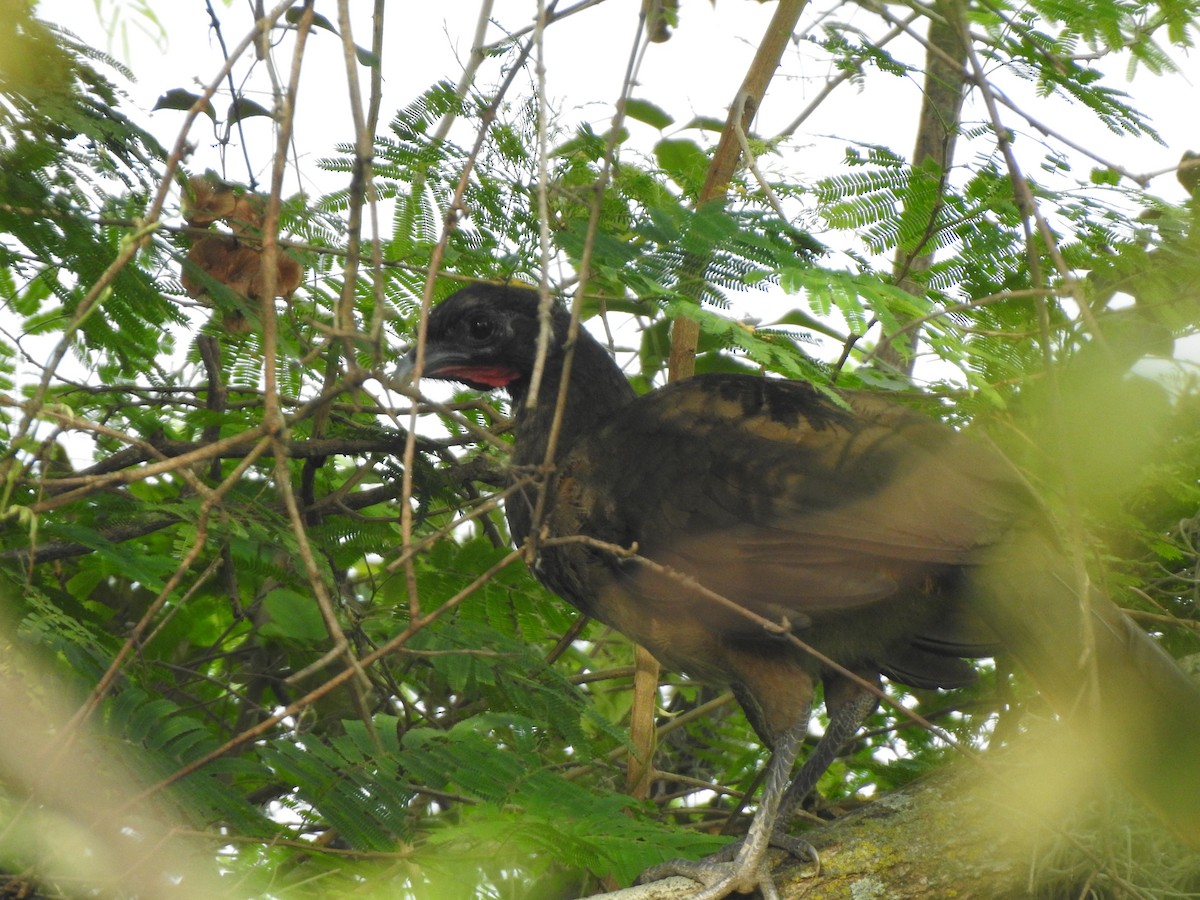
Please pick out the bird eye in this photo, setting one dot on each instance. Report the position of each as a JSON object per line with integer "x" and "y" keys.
{"x": 480, "y": 328}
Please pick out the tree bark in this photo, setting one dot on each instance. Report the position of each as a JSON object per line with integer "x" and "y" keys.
{"x": 1032, "y": 820}
{"x": 685, "y": 333}
{"x": 937, "y": 131}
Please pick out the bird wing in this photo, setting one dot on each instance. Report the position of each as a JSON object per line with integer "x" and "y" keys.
{"x": 771, "y": 495}
{"x": 861, "y": 524}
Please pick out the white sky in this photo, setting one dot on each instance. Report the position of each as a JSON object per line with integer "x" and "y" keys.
{"x": 697, "y": 72}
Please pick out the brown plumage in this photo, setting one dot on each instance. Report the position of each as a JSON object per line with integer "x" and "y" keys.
{"x": 888, "y": 542}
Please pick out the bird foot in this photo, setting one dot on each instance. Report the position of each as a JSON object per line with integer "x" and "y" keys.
{"x": 719, "y": 879}
{"x": 729, "y": 871}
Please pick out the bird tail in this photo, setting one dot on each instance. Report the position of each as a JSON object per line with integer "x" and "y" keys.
{"x": 1136, "y": 709}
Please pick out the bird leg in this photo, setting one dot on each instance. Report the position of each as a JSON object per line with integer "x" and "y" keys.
{"x": 742, "y": 865}
{"x": 848, "y": 706}
{"x": 748, "y": 869}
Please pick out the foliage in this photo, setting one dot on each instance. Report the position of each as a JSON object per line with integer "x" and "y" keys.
{"x": 235, "y": 578}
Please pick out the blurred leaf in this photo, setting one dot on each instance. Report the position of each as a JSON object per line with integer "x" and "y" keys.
{"x": 182, "y": 99}
{"x": 645, "y": 111}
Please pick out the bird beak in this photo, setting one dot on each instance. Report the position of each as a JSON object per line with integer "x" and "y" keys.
{"x": 437, "y": 359}
{"x": 451, "y": 364}
{"x": 402, "y": 375}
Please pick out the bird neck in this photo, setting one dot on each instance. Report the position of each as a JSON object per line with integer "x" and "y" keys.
{"x": 597, "y": 389}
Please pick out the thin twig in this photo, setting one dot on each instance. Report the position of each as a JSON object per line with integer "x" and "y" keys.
{"x": 415, "y": 625}
{"x": 777, "y": 629}
{"x": 1029, "y": 210}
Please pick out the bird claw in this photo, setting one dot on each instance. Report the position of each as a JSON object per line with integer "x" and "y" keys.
{"x": 725, "y": 872}
{"x": 720, "y": 879}
{"x": 797, "y": 847}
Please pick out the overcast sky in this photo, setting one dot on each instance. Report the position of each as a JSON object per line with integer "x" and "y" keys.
{"x": 697, "y": 72}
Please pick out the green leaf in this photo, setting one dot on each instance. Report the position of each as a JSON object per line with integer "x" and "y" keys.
{"x": 182, "y": 99}
{"x": 241, "y": 108}
{"x": 684, "y": 162}
{"x": 706, "y": 123}
{"x": 295, "y": 14}
{"x": 650, "y": 113}
{"x": 366, "y": 57}
{"x": 292, "y": 616}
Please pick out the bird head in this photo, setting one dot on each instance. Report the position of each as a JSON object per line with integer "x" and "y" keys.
{"x": 484, "y": 336}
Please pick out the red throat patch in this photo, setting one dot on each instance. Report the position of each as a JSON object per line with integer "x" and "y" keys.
{"x": 492, "y": 376}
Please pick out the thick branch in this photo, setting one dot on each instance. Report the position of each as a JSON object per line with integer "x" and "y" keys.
{"x": 1004, "y": 830}
{"x": 937, "y": 131}
{"x": 685, "y": 333}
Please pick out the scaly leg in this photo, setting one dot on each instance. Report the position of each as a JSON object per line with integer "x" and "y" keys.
{"x": 848, "y": 706}
{"x": 748, "y": 869}
{"x": 742, "y": 866}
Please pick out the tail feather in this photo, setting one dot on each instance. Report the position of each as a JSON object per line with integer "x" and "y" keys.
{"x": 1135, "y": 708}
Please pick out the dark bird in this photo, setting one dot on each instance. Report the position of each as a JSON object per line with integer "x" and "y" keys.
{"x": 716, "y": 518}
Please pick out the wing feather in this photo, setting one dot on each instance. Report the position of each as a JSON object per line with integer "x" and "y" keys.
{"x": 769, "y": 494}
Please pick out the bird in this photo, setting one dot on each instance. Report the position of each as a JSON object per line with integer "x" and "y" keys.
{"x": 768, "y": 535}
